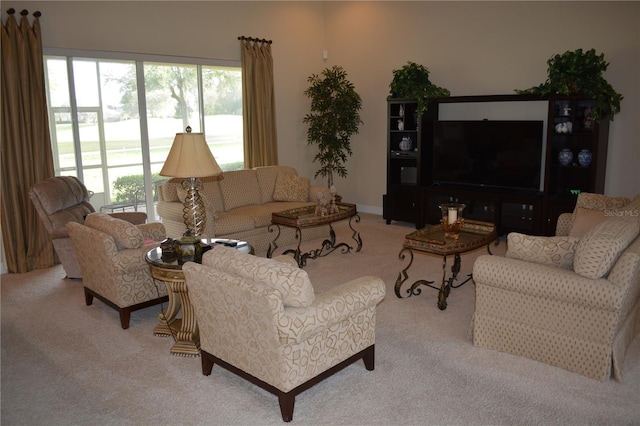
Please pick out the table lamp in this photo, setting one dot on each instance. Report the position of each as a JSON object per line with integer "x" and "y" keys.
{"x": 191, "y": 159}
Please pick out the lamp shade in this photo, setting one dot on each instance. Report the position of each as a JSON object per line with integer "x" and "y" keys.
{"x": 190, "y": 157}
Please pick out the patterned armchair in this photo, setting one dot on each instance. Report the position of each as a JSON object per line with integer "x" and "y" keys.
{"x": 572, "y": 300}
{"x": 63, "y": 199}
{"x": 260, "y": 319}
{"x": 111, "y": 253}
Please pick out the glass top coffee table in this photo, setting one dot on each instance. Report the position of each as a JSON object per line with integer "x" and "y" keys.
{"x": 432, "y": 240}
{"x": 305, "y": 217}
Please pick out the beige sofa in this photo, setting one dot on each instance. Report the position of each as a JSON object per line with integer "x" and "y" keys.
{"x": 240, "y": 204}
{"x": 572, "y": 300}
{"x": 261, "y": 319}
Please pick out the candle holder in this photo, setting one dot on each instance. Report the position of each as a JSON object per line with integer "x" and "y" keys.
{"x": 452, "y": 219}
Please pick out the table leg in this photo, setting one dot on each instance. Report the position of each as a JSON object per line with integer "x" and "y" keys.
{"x": 445, "y": 288}
{"x": 273, "y": 245}
{"x": 403, "y": 276}
{"x": 301, "y": 260}
{"x": 169, "y": 324}
{"x": 188, "y": 337}
{"x": 356, "y": 235}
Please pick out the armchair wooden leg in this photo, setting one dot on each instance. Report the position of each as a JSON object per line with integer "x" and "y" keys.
{"x": 88, "y": 297}
{"x": 369, "y": 357}
{"x": 207, "y": 363}
{"x": 125, "y": 317}
{"x": 287, "y": 402}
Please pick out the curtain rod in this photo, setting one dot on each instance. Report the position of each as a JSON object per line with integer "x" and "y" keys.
{"x": 261, "y": 40}
{"x": 24, "y": 12}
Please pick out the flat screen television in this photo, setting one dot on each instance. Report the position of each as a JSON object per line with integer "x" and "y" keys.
{"x": 493, "y": 154}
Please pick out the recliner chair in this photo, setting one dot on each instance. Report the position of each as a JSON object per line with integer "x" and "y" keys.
{"x": 63, "y": 199}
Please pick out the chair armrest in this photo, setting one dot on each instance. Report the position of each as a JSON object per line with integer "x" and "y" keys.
{"x": 544, "y": 281}
{"x": 331, "y": 307}
{"x": 155, "y": 231}
{"x": 135, "y": 218}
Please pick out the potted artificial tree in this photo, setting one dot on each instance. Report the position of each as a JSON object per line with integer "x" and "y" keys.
{"x": 580, "y": 73}
{"x": 412, "y": 82}
{"x": 334, "y": 118}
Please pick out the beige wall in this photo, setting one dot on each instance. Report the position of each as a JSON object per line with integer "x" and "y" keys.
{"x": 471, "y": 48}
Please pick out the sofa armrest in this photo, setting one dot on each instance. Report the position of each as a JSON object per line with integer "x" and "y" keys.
{"x": 331, "y": 307}
{"x": 544, "y": 281}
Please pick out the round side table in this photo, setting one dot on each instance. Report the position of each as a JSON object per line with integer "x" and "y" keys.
{"x": 185, "y": 329}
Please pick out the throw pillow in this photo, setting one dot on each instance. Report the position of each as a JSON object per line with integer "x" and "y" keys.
{"x": 291, "y": 188}
{"x": 556, "y": 251}
{"x": 240, "y": 188}
{"x": 600, "y": 248}
{"x": 125, "y": 234}
{"x": 584, "y": 220}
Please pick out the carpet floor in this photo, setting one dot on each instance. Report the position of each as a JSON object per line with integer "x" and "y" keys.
{"x": 65, "y": 363}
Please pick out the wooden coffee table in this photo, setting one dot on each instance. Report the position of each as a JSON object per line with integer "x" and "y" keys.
{"x": 184, "y": 330}
{"x": 304, "y": 218}
{"x": 432, "y": 240}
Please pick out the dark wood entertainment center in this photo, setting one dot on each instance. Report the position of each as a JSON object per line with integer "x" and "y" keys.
{"x": 412, "y": 196}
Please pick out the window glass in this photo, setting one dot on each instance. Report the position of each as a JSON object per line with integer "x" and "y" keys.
{"x": 99, "y": 136}
{"x": 222, "y": 89}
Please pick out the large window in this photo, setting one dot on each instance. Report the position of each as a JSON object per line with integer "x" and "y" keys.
{"x": 113, "y": 121}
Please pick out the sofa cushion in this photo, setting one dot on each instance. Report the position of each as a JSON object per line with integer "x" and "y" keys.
{"x": 584, "y": 220}
{"x": 291, "y": 188}
{"x": 556, "y": 251}
{"x": 267, "y": 179}
{"x": 598, "y": 249}
{"x": 125, "y": 234}
{"x": 232, "y": 222}
{"x": 291, "y": 282}
{"x": 240, "y": 188}
{"x": 211, "y": 189}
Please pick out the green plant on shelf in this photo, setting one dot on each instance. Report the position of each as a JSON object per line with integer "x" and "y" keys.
{"x": 580, "y": 73}
{"x": 412, "y": 82}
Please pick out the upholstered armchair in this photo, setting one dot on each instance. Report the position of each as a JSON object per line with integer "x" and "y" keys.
{"x": 260, "y": 319}
{"x": 111, "y": 253}
{"x": 571, "y": 300}
{"x": 62, "y": 199}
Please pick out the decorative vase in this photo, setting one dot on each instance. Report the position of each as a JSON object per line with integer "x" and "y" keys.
{"x": 584, "y": 157}
{"x": 565, "y": 157}
{"x": 405, "y": 144}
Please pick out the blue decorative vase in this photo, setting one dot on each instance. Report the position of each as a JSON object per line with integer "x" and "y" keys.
{"x": 565, "y": 157}
{"x": 406, "y": 144}
{"x": 584, "y": 158}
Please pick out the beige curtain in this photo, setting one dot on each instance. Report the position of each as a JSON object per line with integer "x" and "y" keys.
{"x": 258, "y": 103}
{"x": 26, "y": 147}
